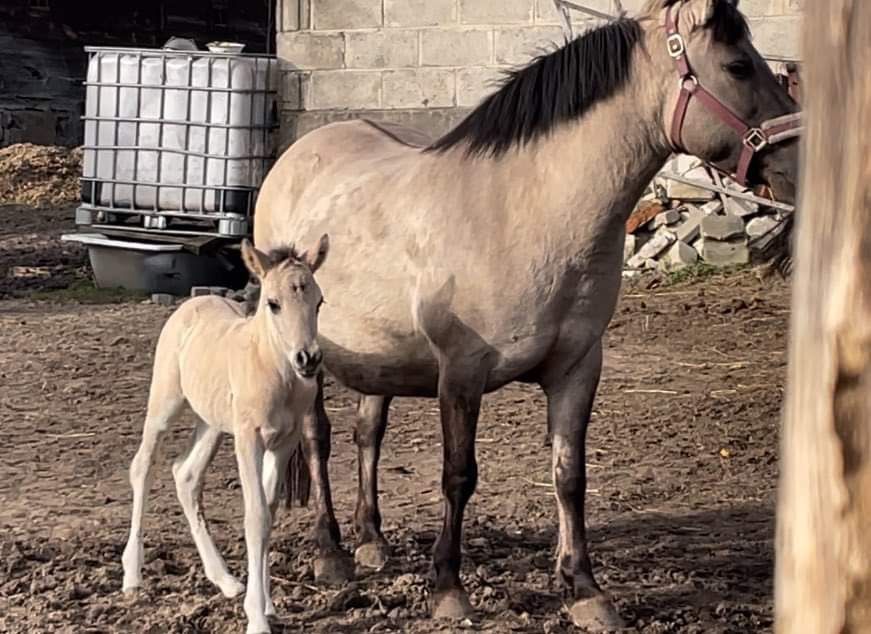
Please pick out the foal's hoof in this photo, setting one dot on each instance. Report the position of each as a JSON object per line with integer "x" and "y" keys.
{"x": 596, "y": 614}
{"x": 334, "y": 569}
{"x": 372, "y": 555}
{"x": 230, "y": 586}
{"x": 453, "y": 604}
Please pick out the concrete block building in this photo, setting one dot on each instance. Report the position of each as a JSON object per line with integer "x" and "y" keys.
{"x": 427, "y": 62}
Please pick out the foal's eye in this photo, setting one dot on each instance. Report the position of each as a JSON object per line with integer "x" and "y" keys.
{"x": 273, "y": 304}
{"x": 740, "y": 69}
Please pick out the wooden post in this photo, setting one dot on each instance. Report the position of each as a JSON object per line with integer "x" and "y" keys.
{"x": 823, "y": 571}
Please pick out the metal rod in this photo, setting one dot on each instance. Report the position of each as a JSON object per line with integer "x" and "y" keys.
{"x": 194, "y": 124}
{"x": 723, "y": 190}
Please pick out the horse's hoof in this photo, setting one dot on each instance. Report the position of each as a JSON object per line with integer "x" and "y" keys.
{"x": 372, "y": 555}
{"x": 596, "y": 614}
{"x": 230, "y": 586}
{"x": 130, "y": 589}
{"x": 453, "y": 604}
{"x": 334, "y": 569}
{"x": 258, "y": 627}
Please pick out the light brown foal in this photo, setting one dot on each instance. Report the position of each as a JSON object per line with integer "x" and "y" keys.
{"x": 254, "y": 378}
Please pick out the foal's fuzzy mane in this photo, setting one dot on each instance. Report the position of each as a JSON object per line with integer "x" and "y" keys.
{"x": 564, "y": 84}
{"x": 280, "y": 255}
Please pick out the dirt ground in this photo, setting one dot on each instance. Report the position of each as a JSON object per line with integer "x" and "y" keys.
{"x": 682, "y": 472}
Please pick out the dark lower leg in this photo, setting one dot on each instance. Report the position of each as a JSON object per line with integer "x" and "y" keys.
{"x": 371, "y": 424}
{"x": 459, "y": 413}
{"x": 316, "y": 445}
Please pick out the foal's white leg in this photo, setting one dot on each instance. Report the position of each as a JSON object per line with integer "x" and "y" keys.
{"x": 249, "y": 455}
{"x": 274, "y": 468}
{"x": 189, "y": 476}
{"x": 158, "y": 420}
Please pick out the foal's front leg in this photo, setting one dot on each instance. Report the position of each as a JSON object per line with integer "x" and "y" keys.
{"x": 249, "y": 456}
{"x": 569, "y": 403}
{"x": 274, "y": 466}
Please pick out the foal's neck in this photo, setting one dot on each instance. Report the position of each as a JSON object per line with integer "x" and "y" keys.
{"x": 268, "y": 346}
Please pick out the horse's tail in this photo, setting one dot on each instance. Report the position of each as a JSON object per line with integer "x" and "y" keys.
{"x": 298, "y": 482}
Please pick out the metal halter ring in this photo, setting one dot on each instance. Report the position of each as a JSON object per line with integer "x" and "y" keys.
{"x": 676, "y": 46}
{"x": 755, "y": 139}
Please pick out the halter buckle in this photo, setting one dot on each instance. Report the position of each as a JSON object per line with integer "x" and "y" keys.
{"x": 676, "y": 46}
{"x": 755, "y": 139}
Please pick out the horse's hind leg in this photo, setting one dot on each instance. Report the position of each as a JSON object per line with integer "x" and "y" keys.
{"x": 189, "y": 473}
{"x": 569, "y": 403}
{"x": 164, "y": 405}
{"x": 372, "y": 549}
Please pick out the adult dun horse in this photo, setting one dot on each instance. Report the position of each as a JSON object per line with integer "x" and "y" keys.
{"x": 494, "y": 254}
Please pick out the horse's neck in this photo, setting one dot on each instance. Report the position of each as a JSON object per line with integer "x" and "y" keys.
{"x": 592, "y": 172}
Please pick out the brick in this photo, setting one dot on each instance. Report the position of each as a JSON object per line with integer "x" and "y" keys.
{"x": 723, "y": 227}
{"x": 345, "y": 89}
{"x": 477, "y": 83}
{"x": 462, "y": 47}
{"x": 644, "y": 213}
{"x": 346, "y": 14}
{"x": 779, "y": 35}
{"x": 497, "y": 11}
{"x": 719, "y": 253}
{"x": 292, "y": 96}
{"x": 388, "y": 48}
{"x": 198, "y": 291}
{"x": 419, "y": 88}
{"x": 419, "y": 12}
{"x": 287, "y": 15}
{"x": 520, "y": 44}
{"x": 546, "y": 13}
{"x": 162, "y": 299}
{"x": 311, "y": 51}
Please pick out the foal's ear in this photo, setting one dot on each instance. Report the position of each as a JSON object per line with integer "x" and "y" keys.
{"x": 256, "y": 261}
{"x": 315, "y": 256}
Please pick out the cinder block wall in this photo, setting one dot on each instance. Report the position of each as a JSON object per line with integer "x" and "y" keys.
{"x": 426, "y": 62}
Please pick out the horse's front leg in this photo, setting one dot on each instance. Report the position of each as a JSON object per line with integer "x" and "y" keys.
{"x": 569, "y": 403}
{"x": 459, "y": 404}
{"x": 333, "y": 564}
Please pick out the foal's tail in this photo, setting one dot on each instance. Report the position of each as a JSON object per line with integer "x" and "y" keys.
{"x": 298, "y": 478}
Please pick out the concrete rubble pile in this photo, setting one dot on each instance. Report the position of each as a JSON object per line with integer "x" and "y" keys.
{"x": 678, "y": 225}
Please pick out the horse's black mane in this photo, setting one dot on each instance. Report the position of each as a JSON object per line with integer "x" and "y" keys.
{"x": 564, "y": 84}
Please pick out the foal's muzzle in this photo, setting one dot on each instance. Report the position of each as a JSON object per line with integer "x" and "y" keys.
{"x": 307, "y": 363}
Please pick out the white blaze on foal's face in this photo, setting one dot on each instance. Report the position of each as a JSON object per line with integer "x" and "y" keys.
{"x": 290, "y": 299}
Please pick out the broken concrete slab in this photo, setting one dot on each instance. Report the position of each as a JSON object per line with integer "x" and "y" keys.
{"x": 711, "y": 208}
{"x": 760, "y": 226}
{"x": 679, "y": 256}
{"x": 722, "y": 227}
{"x": 741, "y": 207}
{"x": 652, "y": 248}
{"x": 721, "y": 253}
{"x": 666, "y": 218}
{"x": 691, "y": 227}
{"x": 629, "y": 247}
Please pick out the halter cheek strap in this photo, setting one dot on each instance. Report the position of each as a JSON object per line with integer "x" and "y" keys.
{"x": 753, "y": 139}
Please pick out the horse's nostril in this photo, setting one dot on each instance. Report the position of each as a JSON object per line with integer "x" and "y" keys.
{"x": 301, "y": 359}
{"x": 317, "y": 357}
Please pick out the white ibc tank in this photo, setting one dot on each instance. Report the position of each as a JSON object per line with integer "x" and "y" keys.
{"x": 194, "y": 124}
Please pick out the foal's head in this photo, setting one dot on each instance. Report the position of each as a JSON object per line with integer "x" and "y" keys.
{"x": 720, "y": 59}
{"x": 290, "y": 300}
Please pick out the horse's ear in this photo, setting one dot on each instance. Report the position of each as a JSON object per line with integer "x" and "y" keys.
{"x": 695, "y": 14}
{"x": 256, "y": 261}
{"x": 315, "y": 256}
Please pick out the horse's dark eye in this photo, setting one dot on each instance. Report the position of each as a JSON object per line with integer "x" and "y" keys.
{"x": 274, "y": 306}
{"x": 740, "y": 69}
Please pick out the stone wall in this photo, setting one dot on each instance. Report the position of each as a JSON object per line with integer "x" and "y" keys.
{"x": 426, "y": 62}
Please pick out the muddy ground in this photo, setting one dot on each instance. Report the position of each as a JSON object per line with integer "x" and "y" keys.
{"x": 682, "y": 466}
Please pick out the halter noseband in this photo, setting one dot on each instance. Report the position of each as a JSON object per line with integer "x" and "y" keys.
{"x": 753, "y": 139}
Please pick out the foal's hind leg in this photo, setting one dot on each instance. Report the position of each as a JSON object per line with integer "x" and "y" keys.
{"x": 189, "y": 474}
{"x": 569, "y": 403}
{"x": 372, "y": 549}
{"x": 164, "y": 406}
